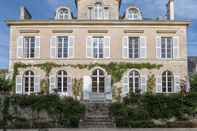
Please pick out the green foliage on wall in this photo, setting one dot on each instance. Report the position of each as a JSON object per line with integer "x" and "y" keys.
{"x": 114, "y": 69}
{"x": 151, "y": 84}
{"x": 140, "y": 110}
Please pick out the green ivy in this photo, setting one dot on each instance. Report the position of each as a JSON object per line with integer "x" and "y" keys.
{"x": 116, "y": 70}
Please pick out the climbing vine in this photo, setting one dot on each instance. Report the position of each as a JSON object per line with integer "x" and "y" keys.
{"x": 116, "y": 70}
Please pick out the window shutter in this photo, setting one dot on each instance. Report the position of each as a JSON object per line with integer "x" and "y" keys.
{"x": 37, "y": 84}
{"x": 71, "y": 42}
{"x": 176, "y": 47}
{"x": 143, "y": 47}
{"x": 87, "y": 85}
{"x": 176, "y": 84}
{"x": 69, "y": 86}
{"x": 53, "y": 47}
{"x": 107, "y": 47}
{"x": 20, "y": 41}
{"x": 143, "y": 81}
{"x": 108, "y": 88}
{"x": 159, "y": 84}
{"x": 125, "y": 45}
{"x": 158, "y": 47}
{"x": 125, "y": 86}
{"x": 52, "y": 81}
{"x": 37, "y": 47}
{"x": 89, "y": 47}
{"x": 19, "y": 84}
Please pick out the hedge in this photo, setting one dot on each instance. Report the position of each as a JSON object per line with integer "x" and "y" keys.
{"x": 142, "y": 110}
{"x": 39, "y": 112}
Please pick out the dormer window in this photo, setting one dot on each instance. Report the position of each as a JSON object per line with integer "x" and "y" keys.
{"x": 63, "y": 13}
{"x": 98, "y": 12}
{"x": 134, "y": 14}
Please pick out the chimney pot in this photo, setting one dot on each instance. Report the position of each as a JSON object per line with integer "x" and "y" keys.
{"x": 170, "y": 8}
{"x": 24, "y": 14}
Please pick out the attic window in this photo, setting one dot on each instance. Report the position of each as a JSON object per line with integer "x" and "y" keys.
{"x": 63, "y": 14}
{"x": 134, "y": 14}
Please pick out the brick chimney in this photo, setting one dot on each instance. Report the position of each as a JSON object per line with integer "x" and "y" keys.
{"x": 24, "y": 14}
{"x": 170, "y": 10}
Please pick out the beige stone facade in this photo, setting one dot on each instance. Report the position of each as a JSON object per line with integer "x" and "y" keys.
{"x": 115, "y": 29}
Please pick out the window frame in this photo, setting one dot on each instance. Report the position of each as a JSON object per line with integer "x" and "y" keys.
{"x": 98, "y": 76}
{"x": 165, "y": 48}
{"x": 28, "y": 78}
{"x": 27, "y": 47}
{"x": 62, "y": 15}
{"x": 134, "y": 16}
{"x": 133, "y": 47}
{"x": 63, "y": 43}
{"x": 63, "y": 75}
{"x": 99, "y": 47}
{"x": 165, "y": 82}
{"x": 132, "y": 75}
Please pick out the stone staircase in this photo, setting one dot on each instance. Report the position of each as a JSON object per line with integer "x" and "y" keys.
{"x": 97, "y": 116}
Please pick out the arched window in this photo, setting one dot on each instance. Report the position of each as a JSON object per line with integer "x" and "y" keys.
{"x": 98, "y": 81}
{"x": 134, "y": 81}
{"x": 62, "y": 81}
{"x": 63, "y": 14}
{"x": 167, "y": 82}
{"x": 134, "y": 14}
{"x": 28, "y": 80}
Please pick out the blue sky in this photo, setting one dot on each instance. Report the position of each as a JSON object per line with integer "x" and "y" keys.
{"x": 44, "y": 9}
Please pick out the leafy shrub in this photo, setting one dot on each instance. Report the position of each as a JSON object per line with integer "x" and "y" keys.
{"x": 140, "y": 110}
{"x": 193, "y": 83}
{"x": 5, "y": 85}
{"x": 61, "y": 112}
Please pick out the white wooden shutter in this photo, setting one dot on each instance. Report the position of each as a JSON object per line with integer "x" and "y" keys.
{"x": 20, "y": 41}
{"x": 107, "y": 47}
{"x": 71, "y": 42}
{"x": 52, "y": 83}
{"x": 19, "y": 84}
{"x": 69, "y": 86}
{"x": 177, "y": 84}
{"x": 125, "y": 44}
{"x": 176, "y": 47}
{"x": 143, "y": 81}
{"x": 87, "y": 86}
{"x": 125, "y": 86}
{"x": 158, "y": 84}
{"x": 36, "y": 84}
{"x": 37, "y": 47}
{"x": 53, "y": 47}
{"x": 143, "y": 47}
{"x": 108, "y": 88}
{"x": 89, "y": 47}
{"x": 158, "y": 47}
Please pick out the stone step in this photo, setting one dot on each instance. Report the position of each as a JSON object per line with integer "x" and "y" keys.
{"x": 96, "y": 124}
{"x": 98, "y": 120}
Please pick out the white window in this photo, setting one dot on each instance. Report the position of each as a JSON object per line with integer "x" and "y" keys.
{"x": 166, "y": 47}
{"x": 134, "y": 47}
{"x": 62, "y": 81}
{"x": 134, "y": 14}
{"x": 98, "y": 47}
{"x": 134, "y": 81}
{"x": 98, "y": 11}
{"x": 28, "y": 82}
{"x": 98, "y": 81}
{"x": 167, "y": 82}
{"x": 29, "y": 47}
{"x": 62, "y": 46}
{"x": 63, "y": 14}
